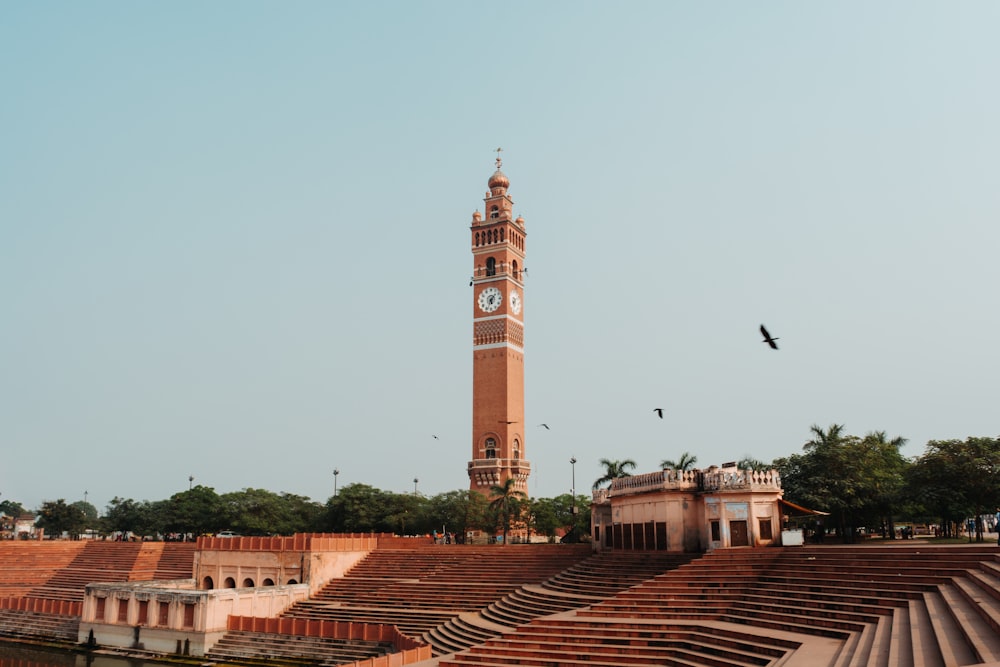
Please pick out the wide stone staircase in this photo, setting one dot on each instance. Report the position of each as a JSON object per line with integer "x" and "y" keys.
{"x": 415, "y": 589}
{"x": 25, "y": 565}
{"x": 25, "y": 625}
{"x": 583, "y": 584}
{"x": 60, "y": 571}
{"x": 913, "y": 605}
{"x": 420, "y": 588}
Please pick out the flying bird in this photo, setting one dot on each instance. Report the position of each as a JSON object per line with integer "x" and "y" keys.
{"x": 768, "y": 339}
{"x": 659, "y": 412}
{"x": 546, "y": 427}
{"x": 435, "y": 437}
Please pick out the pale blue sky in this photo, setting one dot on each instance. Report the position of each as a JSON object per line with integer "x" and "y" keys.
{"x": 235, "y": 234}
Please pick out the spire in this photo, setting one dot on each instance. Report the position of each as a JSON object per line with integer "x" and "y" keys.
{"x": 498, "y": 179}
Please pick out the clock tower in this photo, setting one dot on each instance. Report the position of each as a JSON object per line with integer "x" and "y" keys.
{"x": 498, "y": 342}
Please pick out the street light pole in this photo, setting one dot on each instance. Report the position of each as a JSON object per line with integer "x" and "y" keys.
{"x": 190, "y": 482}
{"x": 415, "y": 480}
{"x": 572, "y": 463}
{"x": 336, "y": 471}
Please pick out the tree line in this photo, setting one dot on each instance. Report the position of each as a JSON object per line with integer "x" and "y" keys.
{"x": 356, "y": 508}
{"x": 863, "y": 482}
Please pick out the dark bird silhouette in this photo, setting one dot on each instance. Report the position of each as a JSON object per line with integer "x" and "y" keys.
{"x": 435, "y": 437}
{"x": 659, "y": 412}
{"x": 503, "y": 422}
{"x": 546, "y": 427}
{"x": 768, "y": 339}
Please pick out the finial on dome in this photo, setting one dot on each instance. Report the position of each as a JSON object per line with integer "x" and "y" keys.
{"x": 498, "y": 180}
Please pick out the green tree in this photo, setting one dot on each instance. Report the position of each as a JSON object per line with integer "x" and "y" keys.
{"x": 857, "y": 480}
{"x": 561, "y": 508}
{"x": 506, "y": 503}
{"x": 261, "y": 512}
{"x": 683, "y": 464}
{"x": 56, "y": 517}
{"x": 613, "y": 470}
{"x": 300, "y": 514}
{"x": 123, "y": 515}
{"x": 407, "y": 514}
{"x": 358, "y": 508}
{"x": 89, "y": 511}
{"x": 196, "y": 511}
{"x": 11, "y": 508}
{"x": 457, "y": 512}
{"x": 959, "y": 479}
{"x": 883, "y": 468}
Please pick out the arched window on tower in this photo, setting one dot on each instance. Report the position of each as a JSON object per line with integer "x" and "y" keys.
{"x": 477, "y": 238}
{"x": 491, "y": 448}
{"x": 495, "y": 211}
{"x": 501, "y": 235}
{"x": 491, "y": 266}
{"x": 514, "y": 271}
{"x": 517, "y": 449}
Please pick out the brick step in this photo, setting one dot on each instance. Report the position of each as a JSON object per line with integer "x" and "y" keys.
{"x": 20, "y": 624}
{"x": 864, "y": 613}
{"x": 833, "y": 625}
{"x": 837, "y": 589}
{"x": 923, "y": 643}
{"x": 512, "y": 652}
{"x": 268, "y": 646}
{"x": 460, "y": 633}
{"x": 950, "y": 640}
{"x": 624, "y": 633}
{"x": 976, "y": 615}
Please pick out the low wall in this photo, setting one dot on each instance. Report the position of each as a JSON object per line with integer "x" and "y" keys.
{"x": 408, "y": 649}
{"x": 43, "y": 606}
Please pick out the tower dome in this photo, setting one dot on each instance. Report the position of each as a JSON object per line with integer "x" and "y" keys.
{"x": 499, "y": 180}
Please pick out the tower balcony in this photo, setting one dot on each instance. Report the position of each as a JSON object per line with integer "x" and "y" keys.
{"x": 490, "y": 472}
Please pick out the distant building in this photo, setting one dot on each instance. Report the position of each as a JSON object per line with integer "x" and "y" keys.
{"x": 688, "y": 511}
{"x": 25, "y": 529}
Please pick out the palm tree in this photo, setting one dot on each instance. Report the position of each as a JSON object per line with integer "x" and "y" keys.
{"x": 750, "y": 463}
{"x": 506, "y": 501}
{"x": 614, "y": 470}
{"x": 831, "y": 437}
{"x": 685, "y": 463}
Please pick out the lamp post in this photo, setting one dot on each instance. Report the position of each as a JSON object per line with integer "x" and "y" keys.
{"x": 190, "y": 482}
{"x": 572, "y": 463}
{"x": 336, "y": 471}
{"x": 415, "y": 480}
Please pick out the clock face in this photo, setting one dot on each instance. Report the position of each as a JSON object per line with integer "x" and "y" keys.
{"x": 490, "y": 299}
{"x": 515, "y": 302}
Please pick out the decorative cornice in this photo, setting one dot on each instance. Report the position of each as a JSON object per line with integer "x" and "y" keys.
{"x": 497, "y": 332}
